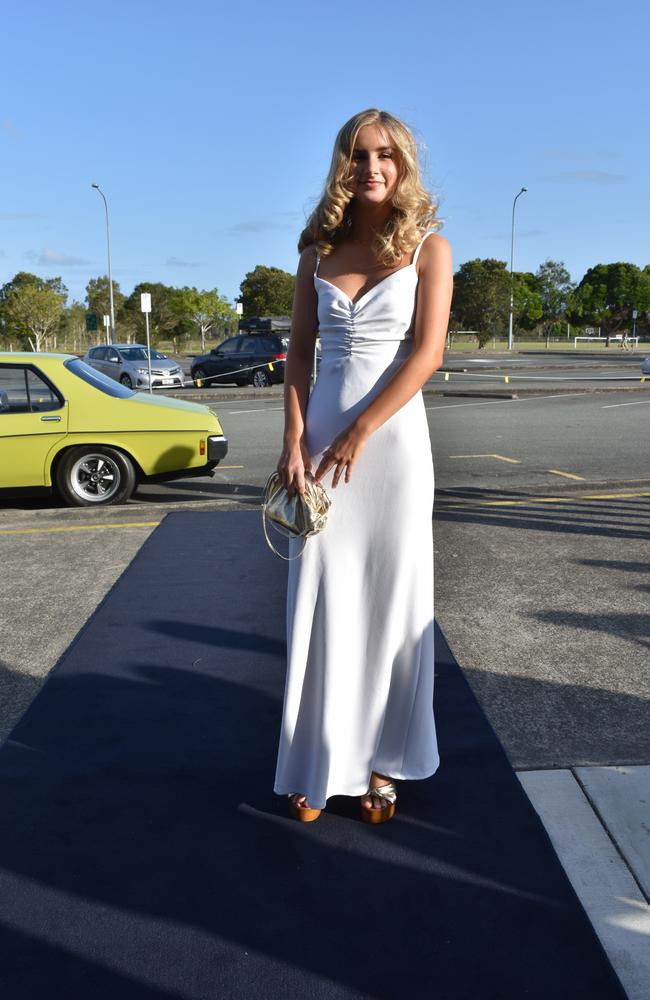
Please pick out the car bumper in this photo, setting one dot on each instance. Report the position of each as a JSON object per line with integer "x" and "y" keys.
{"x": 174, "y": 382}
{"x": 217, "y": 447}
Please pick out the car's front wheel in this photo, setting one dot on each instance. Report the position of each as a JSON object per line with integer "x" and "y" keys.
{"x": 126, "y": 381}
{"x": 91, "y": 476}
{"x": 199, "y": 373}
{"x": 260, "y": 379}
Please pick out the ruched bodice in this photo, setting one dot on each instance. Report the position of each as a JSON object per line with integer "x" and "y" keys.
{"x": 359, "y": 687}
{"x": 382, "y": 315}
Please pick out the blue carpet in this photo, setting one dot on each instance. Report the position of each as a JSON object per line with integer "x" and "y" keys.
{"x": 143, "y": 853}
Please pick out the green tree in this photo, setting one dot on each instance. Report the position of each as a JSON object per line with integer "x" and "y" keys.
{"x": 267, "y": 291}
{"x": 205, "y": 311}
{"x": 607, "y": 295}
{"x": 33, "y": 312}
{"x": 73, "y": 327}
{"x": 165, "y": 321}
{"x": 555, "y": 288}
{"x": 481, "y": 297}
{"x": 8, "y": 329}
{"x": 527, "y": 302}
{"x": 99, "y": 300}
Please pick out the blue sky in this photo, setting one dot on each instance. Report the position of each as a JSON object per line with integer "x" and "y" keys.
{"x": 209, "y": 126}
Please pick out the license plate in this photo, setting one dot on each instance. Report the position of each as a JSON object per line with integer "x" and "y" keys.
{"x": 167, "y": 381}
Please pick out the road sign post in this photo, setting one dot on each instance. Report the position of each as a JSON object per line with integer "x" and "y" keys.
{"x": 145, "y": 307}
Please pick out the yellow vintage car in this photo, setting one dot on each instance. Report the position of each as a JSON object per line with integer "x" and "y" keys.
{"x": 66, "y": 426}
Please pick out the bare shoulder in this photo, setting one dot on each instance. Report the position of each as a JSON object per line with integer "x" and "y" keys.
{"x": 435, "y": 248}
{"x": 307, "y": 260}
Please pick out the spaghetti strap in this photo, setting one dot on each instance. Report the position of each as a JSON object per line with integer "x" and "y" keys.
{"x": 317, "y": 263}
{"x": 419, "y": 247}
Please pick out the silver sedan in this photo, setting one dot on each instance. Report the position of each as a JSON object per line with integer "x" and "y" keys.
{"x": 128, "y": 364}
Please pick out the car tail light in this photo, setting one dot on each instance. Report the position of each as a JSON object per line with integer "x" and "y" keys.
{"x": 279, "y": 357}
{"x": 202, "y": 447}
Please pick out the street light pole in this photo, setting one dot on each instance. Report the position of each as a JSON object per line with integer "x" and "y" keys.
{"x": 110, "y": 275}
{"x": 512, "y": 275}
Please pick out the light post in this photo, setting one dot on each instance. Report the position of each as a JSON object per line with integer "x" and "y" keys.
{"x": 110, "y": 275}
{"x": 512, "y": 275}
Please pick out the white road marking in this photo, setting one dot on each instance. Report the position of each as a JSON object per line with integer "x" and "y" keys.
{"x": 494, "y": 402}
{"x": 637, "y": 402}
{"x": 262, "y": 409}
{"x": 568, "y": 475}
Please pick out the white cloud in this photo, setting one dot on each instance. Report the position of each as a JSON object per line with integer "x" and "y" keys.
{"x": 176, "y": 262}
{"x": 48, "y": 257}
{"x": 9, "y": 129}
{"x": 589, "y": 175}
{"x": 257, "y": 226}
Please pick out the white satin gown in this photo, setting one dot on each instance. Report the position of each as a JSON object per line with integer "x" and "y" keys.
{"x": 359, "y": 613}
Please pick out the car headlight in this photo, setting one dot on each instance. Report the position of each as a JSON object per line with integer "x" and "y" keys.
{"x": 143, "y": 371}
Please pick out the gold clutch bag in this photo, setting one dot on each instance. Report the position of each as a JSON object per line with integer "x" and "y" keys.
{"x": 300, "y": 515}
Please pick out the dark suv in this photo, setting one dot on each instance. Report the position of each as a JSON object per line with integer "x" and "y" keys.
{"x": 243, "y": 360}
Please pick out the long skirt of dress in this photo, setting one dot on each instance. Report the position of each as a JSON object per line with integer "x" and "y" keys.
{"x": 359, "y": 613}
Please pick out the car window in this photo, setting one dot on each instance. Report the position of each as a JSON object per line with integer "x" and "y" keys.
{"x": 97, "y": 379}
{"x": 41, "y": 396}
{"x": 22, "y": 390}
{"x": 230, "y": 346}
{"x": 140, "y": 354}
{"x": 249, "y": 345}
{"x": 98, "y": 353}
{"x": 112, "y": 355}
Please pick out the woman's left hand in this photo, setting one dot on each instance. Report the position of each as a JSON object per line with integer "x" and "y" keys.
{"x": 343, "y": 453}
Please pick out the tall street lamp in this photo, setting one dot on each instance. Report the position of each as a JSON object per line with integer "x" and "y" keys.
{"x": 110, "y": 275}
{"x": 512, "y": 274}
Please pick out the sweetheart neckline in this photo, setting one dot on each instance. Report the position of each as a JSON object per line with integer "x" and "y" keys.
{"x": 406, "y": 267}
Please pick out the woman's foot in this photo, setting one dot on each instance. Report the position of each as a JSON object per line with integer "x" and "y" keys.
{"x": 301, "y": 810}
{"x": 378, "y": 808}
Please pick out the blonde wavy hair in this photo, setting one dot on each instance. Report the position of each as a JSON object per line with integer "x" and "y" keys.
{"x": 413, "y": 208}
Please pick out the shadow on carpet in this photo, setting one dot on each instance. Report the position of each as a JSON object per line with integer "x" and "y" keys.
{"x": 144, "y": 854}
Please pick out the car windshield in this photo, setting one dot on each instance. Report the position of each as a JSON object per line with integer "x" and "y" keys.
{"x": 97, "y": 380}
{"x": 140, "y": 354}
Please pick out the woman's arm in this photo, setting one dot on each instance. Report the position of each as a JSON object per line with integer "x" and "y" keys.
{"x": 435, "y": 285}
{"x": 297, "y": 371}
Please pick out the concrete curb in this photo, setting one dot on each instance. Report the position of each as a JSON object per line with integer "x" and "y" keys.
{"x": 444, "y": 389}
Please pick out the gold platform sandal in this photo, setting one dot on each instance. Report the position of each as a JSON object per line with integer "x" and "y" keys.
{"x": 304, "y": 814}
{"x": 387, "y": 792}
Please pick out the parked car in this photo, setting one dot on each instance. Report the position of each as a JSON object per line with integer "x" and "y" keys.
{"x": 127, "y": 363}
{"x": 242, "y": 360}
{"x": 645, "y": 366}
{"x": 67, "y": 426}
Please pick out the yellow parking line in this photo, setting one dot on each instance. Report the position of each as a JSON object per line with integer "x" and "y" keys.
{"x": 567, "y": 475}
{"x": 502, "y": 458}
{"x": 78, "y": 527}
{"x": 535, "y": 500}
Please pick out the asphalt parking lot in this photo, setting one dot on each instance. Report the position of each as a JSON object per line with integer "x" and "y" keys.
{"x": 541, "y": 528}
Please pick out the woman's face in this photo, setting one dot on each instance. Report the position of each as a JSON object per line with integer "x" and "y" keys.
{"x": 374, "y": 166}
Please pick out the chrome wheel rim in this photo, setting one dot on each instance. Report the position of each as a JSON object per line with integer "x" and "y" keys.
{"x": 260, "y": 379}
{"x": 95, "y": 478}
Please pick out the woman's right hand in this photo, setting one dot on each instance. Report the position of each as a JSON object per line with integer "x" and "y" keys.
{"x": 294, "y": 461}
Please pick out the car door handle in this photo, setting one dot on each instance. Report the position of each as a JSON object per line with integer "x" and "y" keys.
{"x": 51, "y": 418}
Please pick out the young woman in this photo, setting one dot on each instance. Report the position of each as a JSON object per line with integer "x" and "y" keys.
{"x": 377, "y": 285}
